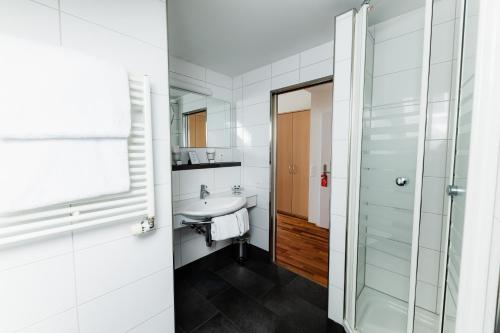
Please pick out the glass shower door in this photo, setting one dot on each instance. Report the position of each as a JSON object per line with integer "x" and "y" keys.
{"x": 389, "y": 142}
{"x": 461, "y": 157}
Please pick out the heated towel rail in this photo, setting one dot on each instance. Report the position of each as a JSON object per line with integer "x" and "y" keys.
{"x": 136, "y": 205}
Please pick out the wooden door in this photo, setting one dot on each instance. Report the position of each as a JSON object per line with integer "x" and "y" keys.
{"x": 197, "y": 129}
{"x": 284, "y": 177}
{"x": 300, "y": 168}
{"x": 201, "y": 129}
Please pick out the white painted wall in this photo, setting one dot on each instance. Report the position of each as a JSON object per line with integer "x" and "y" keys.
{"x": 251, "y": 100}
{"x": 298, "y": 100}
{"x": 105, "y": 279}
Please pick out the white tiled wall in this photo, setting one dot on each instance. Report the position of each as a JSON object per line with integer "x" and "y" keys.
{"x": 188, "y": 245}
{"x": 100, "y": 280}
{"x": 251, "y": 100}
{"x": 340, "y": 148}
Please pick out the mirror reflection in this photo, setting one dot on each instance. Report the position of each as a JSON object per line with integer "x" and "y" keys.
{"x": 199, "y": 121}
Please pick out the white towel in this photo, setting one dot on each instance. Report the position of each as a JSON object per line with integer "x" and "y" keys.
{"x": 224, "y": 227}
{"x": 52, "y": 92}
{"x": 37, "y": 173}
{"x": 243, "y": 220}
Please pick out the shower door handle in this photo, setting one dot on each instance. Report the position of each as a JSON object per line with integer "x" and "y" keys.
{"x": 401, "y": 181}
{"x": 454, "y": 190}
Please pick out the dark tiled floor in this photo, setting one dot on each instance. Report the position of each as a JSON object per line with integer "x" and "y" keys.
{"x": 215, "y": 294}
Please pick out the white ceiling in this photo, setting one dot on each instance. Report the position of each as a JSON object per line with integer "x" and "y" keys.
{"x": 235, "y": 36}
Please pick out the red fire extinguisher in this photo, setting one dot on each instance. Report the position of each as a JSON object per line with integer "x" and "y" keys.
{"x": 324, "y": 177}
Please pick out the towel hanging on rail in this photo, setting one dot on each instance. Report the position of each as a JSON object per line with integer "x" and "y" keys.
{"x": 53, "y": 92}
{"x": 65, "y": 119}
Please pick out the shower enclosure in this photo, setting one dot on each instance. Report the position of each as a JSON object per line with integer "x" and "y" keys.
{"x": 414, "y": 68}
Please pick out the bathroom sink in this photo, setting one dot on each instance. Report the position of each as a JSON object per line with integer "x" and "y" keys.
{"x": 211, "y": 207}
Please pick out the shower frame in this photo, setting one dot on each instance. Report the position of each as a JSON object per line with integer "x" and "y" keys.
{"x": 483, "y": 175}
{"x": 359, "y": 46}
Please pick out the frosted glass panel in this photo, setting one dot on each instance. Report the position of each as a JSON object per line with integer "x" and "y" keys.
{"x": 461, "y": 163}
{"x": 393, "y": 68}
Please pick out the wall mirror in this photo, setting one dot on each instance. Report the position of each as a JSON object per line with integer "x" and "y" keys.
{"x": 199, "y": 121}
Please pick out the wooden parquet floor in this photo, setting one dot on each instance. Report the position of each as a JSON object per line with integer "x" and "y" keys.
{"x": 302, "y": 247}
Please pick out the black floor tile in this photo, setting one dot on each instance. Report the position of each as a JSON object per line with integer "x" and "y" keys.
{"x": 272, "y": 272}
{"x": 218, "y": 324}
{"x": 334, "y": 327}
{"x": 207, "y": 283}
{"x": 309, "y": 291}
{"x": 297, "y": 312}
{"x": 191, "y": 308}
{"x": 245, "y": 280}
{"x": 249, "y": 315}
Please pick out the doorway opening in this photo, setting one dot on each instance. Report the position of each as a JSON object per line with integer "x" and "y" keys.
{"x": 301, "y": 188}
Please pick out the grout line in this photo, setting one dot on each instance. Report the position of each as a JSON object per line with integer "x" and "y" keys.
{"x": 44, "y": 319}
{"x": 112, "y": 30}
{"x": 149, "y": 318}
{"x": 75, "y": 281}
{"x": 125, "y": 285}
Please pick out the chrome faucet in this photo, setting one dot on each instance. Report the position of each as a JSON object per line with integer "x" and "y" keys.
{"x": 204, "y": 192}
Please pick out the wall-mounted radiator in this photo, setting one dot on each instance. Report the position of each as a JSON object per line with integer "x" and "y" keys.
{"x": 137, "y": 205}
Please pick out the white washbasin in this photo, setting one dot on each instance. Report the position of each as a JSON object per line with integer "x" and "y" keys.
{"x": 212, "y": 207}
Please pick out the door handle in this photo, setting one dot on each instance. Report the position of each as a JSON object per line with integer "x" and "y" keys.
{"x": 401, "y": 181}
{"x": 454, "y": 190}
{"x": 293, "y": 169}
{"x": 289, "y": 169}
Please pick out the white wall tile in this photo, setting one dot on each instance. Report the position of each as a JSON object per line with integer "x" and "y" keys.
{"x": 336, "y": 304}
{"x": 225, "y": 178}
{"x": 259, "y": 218}
{"x": 194, "y": 249}
{"x": 435, "y": 158}
{"x": 256, "y": 177}
{"x": 15, "y": 256}
{"x": 34, "y": 292}
{"x": 286, "y": 79}
{"x": 430, "y": 231}
{"x": 257, "y": 136}
{"x": 160, "y": 116}
{"x": 129, "y": 306}
{"x": 256, "y": 156}
{"x": 257, "y": 114}
{"x": 137, "y": 57}
{"x": 66, "y": 322}
{"x": 339, "y": 199}
{"x": 340, "y": 158}
{"x": 343, "y": 38}
{"x": 337, "y": 264}
{"x": 432, "y": 195}
{"x": 144, "y": 20}
{"x": 342, "y": 90}
{"x": 162, "y": 322}
{"x": 341, "y": 123}
{"x": 179, "y": 66}
{"x": 256, "y": 75}
{"x": 104, "y": 268}
{"x": 43, "y": 24}
{"x": 260, "y": 238}
{"x": 316, "y": 54}
{"x": 286, "y": 65}
{"x": 190, "y": 180}
{"x": 219, "y": 79}
{"x": 257, "y": 93}
{"x": 161, "y": 158}
{"x": 337, "y": 233}
{"x": 317, "y": 70}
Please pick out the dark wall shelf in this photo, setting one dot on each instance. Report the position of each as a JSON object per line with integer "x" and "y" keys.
{"x": 205, "y": 166}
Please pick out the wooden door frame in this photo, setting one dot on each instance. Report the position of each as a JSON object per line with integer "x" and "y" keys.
{"x": 273, "y": 115}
